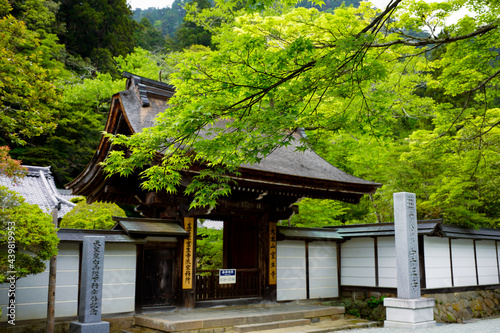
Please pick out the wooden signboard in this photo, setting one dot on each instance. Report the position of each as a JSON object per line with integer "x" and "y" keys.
{"x": 272, "y": 253}
{"x": 188, "y": 254}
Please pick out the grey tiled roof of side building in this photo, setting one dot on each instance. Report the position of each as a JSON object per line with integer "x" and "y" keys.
{"x": 38, "y": 188}
{"x": 211, "y": 224}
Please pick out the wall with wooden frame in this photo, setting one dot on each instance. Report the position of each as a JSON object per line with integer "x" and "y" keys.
{"x": 118, "y": 290}
{"x": 445, "y": 262}
{"x": 118, "y": 284}
{"x": 306, "y": 270}
{"x": 357, "y": 262}
{"x": 32, "y": 292}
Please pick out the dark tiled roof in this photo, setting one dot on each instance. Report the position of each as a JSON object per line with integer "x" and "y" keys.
{"x": 307, "y": 164}
{"x": 425, "y": 227}
{"x": 211, "y": 224}
{"x": 453, "y": 231}
{"x": 285, "y": 171}
{"x": 148, "y": 227}
{"x": 294, "y": 233}
{"x": 111, "y": 236}
{"x": 284, "y": 160}
{"x": 38, "y": 188}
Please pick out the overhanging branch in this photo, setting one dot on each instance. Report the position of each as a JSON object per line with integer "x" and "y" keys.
{"x": 427, "y": 41}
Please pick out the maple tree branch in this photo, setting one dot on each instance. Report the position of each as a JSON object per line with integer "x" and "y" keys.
{"x": 423, "y": 42}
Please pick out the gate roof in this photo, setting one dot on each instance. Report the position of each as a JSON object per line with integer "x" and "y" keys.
{"x": 284, "y": 173}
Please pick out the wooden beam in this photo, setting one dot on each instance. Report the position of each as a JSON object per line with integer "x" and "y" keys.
{"x": 308, "y": 284}
{"x": 375, "y": 255}
{"x": 451, "y": 262}
{"x": 421, "y": 253}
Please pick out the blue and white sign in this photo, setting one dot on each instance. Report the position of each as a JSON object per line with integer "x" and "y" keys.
{"x": 227, "y": 276}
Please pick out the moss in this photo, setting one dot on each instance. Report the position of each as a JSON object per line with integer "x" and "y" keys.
{"x": 370, "y": 309}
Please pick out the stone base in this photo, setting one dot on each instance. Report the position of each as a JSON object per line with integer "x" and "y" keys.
{"x": 397, "y": 324}
{"x": 99, "y": 327}
{"x": 409, "y": 313}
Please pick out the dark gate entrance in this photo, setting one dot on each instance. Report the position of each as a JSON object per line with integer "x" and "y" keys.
{"x": 156, "y": 285}
{"x": 241, "y": 240}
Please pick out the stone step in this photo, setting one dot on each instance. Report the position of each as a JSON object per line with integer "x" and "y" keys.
{"x": 328, "y": 326}
{"x": 271, "y": 325}
{"x": 216, "y": 319}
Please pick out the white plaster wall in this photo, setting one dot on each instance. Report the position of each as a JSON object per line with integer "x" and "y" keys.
{"x": 498, "y": 253}
{"x": 32, "y": 291}
{"x": 387, "y": 270}
{"x": 118, "y": 291}
{"x": 464, "y": 265}
{"x": 358, "y": 262}
{"x": 437, "y": 262}
{"x": 118, "y": 284}
{"x": 323, "y": 281}
{"x": 291, "y": 270}
{"x": 487, "y": 264}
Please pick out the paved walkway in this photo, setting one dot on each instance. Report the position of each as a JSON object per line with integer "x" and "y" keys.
{"x": 475, "y": 326}
{"x": 347, "y": 325}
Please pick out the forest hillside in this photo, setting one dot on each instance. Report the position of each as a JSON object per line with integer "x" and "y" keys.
{"x": 401, "y": 97}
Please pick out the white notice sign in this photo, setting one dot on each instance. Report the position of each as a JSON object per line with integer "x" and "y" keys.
{"x": 227, "y": 276}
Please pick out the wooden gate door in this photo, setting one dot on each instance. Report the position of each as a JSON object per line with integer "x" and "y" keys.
{"x": 156, "y": 277}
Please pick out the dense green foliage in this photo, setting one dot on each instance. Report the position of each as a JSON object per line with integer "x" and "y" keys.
{"x": 402, "y": 97}
{"x": 97, "y": 215}
{"x": 34, "y": 234}
{"x": 209, "y": 248}
{"x": 82, "y": 114}
{"x": 8, "y": 166}
{"x": 317, "y": 213}
{"x": 28, "y": 94}
{"x": 406, "y": 109}
{"x": 148, "y": 37}
{"x": 167, "y": 20}
{"x": 190, "y": 32}
{"x": 97, "y": 29}
{"x": 180, "y": 31}
{"x": 27, "y": 235}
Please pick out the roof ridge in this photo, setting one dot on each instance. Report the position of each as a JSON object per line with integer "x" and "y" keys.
{"x": 34, "y": 171}
{"x": 148, "y": 88}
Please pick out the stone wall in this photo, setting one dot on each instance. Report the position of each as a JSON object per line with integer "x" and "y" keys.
{"x": 462, "y": 306}
{"x": 455, "y": 307}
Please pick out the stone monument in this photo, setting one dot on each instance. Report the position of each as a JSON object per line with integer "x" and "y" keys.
{"x": 89, "y": 308}
{"x": 409, "y": 309}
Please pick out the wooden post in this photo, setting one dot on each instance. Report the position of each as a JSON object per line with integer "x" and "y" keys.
{"x": 51, "y": 300}
{"x": 189, "y": 265}
{"x": 139, "y": 279}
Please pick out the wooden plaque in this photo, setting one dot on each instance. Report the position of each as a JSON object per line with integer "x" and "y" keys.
{"x": 188, "y": 254}
{"x": 272, "y": 253}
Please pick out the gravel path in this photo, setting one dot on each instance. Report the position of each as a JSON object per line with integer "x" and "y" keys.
{"x": 479, "y": 326}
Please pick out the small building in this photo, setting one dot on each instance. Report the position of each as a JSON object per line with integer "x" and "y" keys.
{"x": 38, "y": 188}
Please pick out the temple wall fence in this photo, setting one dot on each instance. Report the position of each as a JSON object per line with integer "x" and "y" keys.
{"x": 118, "y": 284}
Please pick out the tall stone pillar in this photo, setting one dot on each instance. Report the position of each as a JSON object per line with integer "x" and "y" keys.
{"x": 89, "y": 308}
{"x": 409, "y": 309}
